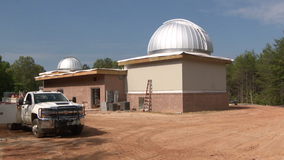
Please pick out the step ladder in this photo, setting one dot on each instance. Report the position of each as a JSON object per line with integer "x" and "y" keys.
{"x": 147, "y": 106}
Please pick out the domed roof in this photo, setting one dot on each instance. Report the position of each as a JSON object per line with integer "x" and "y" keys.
{"x": 69, "y": 63}
{"x": 180, "y": 35}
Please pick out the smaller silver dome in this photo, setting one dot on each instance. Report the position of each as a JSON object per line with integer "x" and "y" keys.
{"x": 69, "y": 63}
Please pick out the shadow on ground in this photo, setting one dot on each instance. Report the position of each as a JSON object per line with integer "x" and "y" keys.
{"x": 236, "y": 107}
{"x": 87, "y": 132}
{"x": 24, "y": 132}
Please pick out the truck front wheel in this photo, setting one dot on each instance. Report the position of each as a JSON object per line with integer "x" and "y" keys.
{"x": 36, "y": 129}
{"x": 77, "y": 130}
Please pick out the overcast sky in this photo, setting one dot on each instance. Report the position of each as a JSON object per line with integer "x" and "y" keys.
{"x": 50, "y": 30}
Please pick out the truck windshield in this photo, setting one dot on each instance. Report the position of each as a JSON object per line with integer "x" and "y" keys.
{"x": 50, "y": 97}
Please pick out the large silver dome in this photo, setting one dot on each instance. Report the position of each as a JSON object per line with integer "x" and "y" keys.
{"x": 180, "y": 35}
{"x": 69, "y": 63}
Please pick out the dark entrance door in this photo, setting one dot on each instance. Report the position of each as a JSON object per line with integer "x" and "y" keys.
{"x": 96, "y": 97}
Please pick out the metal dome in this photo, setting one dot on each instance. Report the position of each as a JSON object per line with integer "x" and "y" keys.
{"x": 180, "y": 35}
{"x": 69, "y": 63}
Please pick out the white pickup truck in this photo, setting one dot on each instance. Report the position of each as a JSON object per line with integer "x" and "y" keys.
{"x": 44, "y": 112}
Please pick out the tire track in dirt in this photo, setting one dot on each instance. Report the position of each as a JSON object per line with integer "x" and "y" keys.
{"x": 250, "y": 133}
{"x": 127, "y": 141}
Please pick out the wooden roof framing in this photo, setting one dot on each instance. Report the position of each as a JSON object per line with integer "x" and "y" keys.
{"x": 80, "y": 73}
{"x": 177, "y": 56}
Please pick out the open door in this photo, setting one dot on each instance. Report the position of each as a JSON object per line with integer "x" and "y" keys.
{"x": 95, "y": 97}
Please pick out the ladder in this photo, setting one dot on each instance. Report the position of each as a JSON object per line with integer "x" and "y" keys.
{"x": 147, "y": 99}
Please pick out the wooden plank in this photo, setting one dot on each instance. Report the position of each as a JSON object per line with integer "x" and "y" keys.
{"x": 207, "y": 59}
{"x": 98, "y": 71}
{"x": 134, "y": 61}
{"x": 112, "y": 72}
{"x": 151, "y": 59}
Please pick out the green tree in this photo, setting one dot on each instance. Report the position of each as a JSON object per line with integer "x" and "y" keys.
{"x": 85, "y": 66}
{"x": 271, "y": 74}
{"x": 24, "y": 70}
{"x": 106, "y": 63}
{"x": 241, "y": 76}
{"x": 6, "y": 81}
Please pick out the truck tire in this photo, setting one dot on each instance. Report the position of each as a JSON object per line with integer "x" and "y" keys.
{"x": 36, "y": 129}
{"x": 11, "y": 126}
{"x": 77, "y": 130}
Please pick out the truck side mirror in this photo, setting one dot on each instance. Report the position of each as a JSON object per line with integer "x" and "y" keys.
{"x": 74, "y": 99}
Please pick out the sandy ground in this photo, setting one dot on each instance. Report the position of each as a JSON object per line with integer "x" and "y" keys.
{"x": 242, "y": 132}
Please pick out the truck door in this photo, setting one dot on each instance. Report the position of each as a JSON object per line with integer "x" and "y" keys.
{"x": 26, "y": 109}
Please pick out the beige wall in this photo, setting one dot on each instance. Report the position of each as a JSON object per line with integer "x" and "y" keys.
{"x": 179, "y": 75}
{"x": 165, "y": 75}
{"x": 203, "y": 75}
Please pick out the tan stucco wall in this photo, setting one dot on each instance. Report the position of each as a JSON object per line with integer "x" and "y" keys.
{"x": 165, "y": 75}
{"x": 201, "y": 75}
{"x": 187, "y": 75}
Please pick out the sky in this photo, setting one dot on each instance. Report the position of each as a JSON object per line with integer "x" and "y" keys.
{"x": 50, "y": 30}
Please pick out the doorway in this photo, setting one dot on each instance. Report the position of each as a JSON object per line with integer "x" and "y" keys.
{"x": 141, "y": 103}
{"x": 95, "y": 97}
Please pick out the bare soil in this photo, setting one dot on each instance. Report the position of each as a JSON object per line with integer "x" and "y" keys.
{"x": 242, "y": 132}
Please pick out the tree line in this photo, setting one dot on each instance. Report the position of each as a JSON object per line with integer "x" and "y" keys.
{"x": 19, "y": 76}
{"x": 258, "y": 78}
{"x": 251, "y": 78}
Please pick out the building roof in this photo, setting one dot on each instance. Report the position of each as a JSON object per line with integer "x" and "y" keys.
{"x": 65, "y": 74}
{"x": 173, "y": 55}
{"x": 69, "y": 63}
{"x": 180, "y": 35}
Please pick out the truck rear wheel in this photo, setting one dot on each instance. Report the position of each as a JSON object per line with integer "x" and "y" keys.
{"x": 77, "y": 130}
{"x": 36, "y": 129}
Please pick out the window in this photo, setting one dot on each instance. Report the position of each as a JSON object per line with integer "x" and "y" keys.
{"x": 29, "y": 98}
{"x": 51, "y": 97}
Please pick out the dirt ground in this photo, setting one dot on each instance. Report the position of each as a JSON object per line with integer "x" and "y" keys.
{"x": 242, "y": 132}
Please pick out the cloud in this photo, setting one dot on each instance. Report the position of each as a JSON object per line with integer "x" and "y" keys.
{"x": 268, "y": 12}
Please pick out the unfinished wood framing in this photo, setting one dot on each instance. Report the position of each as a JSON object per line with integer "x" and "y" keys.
{"x": 82, "y": 73}
{"x": 182, "y": 55}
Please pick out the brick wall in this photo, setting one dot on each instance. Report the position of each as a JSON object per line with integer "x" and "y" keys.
{"x": 113, "y": 82}
{"x": 205, "y": 101}
{"x": 187, "y": 102}
{"x": 80, "y": 87}
{"x": 160, "y": 102}
{"x": 167, "y": 102}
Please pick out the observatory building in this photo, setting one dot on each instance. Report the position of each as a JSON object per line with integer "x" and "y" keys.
{"x": 183, "y": 74}
{"x": 185, "y": 77}
{"x": 88, "y": 86}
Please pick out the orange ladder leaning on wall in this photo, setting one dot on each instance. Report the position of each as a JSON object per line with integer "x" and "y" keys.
{"x": 147, "y": 99}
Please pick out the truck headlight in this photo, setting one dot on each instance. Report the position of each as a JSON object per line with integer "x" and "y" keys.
{"x": 81, "y": 111}
{"x": 45, "y": 113}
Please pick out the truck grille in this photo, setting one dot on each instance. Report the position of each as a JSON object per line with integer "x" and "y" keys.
{"x": 66, "y": 112}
